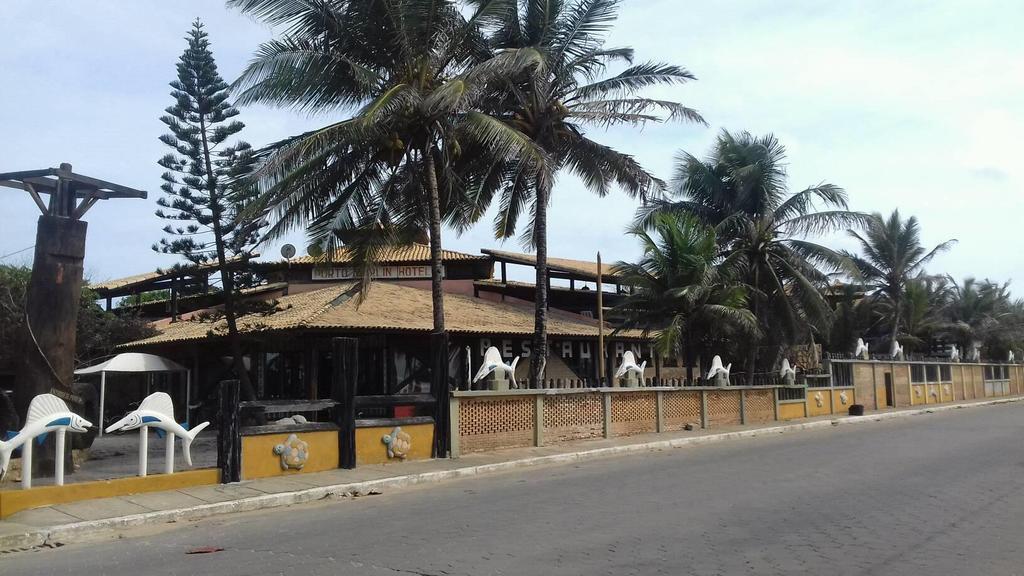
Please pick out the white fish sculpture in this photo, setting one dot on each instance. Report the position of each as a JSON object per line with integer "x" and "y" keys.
{"x": 862, "y": 349}
{"x": 718, "y": 370}
{"x": 1010, "y": 357}
{"x": 896, "y": 351}
{"x": 629, "y": 365}
{"x": 975, "y": 355}
{"x": 157, "y": 410}
{"x": 492, "y": 362}
{"x": 46, "y": 413}
{"x": 786, "y": 371}
{"x": 954, "y": 354}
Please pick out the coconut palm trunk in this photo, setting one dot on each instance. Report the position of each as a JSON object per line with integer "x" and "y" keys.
{"x": 538, "y": 358}
{"x": 436, "y": 269}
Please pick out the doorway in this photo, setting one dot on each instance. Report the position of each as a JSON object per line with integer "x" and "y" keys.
{"x": 888, "y": 389}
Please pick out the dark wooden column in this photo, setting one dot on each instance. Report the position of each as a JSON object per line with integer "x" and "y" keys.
{"x": 51, "y": 310}
{"x": 229, "y": 443}
{"x": 439, "y": 388}
{"x": 345, "y": 368}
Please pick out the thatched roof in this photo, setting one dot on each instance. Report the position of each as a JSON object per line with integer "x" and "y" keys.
{"x": 388, "y": 307}
{"x": 418, "y": 253}
{"x": 579, "y": 269}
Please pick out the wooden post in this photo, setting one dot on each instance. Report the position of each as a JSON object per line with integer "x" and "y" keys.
{"x": 600, "y": 325}
{"x": 46, "y": 364}
{"x": 345, "y": 365}
{"x": 439, "y": 387}
{"x": 229, "y": 442}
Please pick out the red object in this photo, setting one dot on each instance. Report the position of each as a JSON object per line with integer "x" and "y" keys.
{"x": 405, "y": 411}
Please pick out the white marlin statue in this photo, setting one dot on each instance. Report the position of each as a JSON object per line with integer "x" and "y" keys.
{"x": 1010, "y": 357}
{"x": 629, "y": 365}
{"x": 954, "y": 354}
{"x": 492, "y": 362}
{"x": 862, "y": 349}
{"x": 896, "y": 351}
{"x": 157, "y": 410}
{"x": 975, "y": 355}
{"x": 46, "y": 413}
{"x": 717, "y": 369}
{"x": 786, "y": 372}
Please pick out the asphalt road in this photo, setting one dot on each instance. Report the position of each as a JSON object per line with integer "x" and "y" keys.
{"x": 935, "y": 494}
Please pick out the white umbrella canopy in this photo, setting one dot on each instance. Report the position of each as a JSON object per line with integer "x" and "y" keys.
{"x": 134, "y": 362}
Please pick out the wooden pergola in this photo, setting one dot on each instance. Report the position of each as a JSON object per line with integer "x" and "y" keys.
{"x": 55, "y": 287}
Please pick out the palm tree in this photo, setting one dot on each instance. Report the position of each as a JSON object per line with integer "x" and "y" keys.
{"x": 925, "y": 300}
{"x": 892, "y": 257}
{"x": 762, "y": 227}
{"x": 679, "y": 292}
{"x": 555, "y": 106}
{"x": 983, "y": 313}
{"x": 416, "y": 72}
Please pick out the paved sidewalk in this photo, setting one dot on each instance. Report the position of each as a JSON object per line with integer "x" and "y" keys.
{"x": 78, "y": 520}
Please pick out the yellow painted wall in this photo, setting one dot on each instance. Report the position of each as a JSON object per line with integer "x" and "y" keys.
{"x": 792, "y": 410}
{"x": 12, "y": 501}
{"x": 933, "y": 394}
{"x": 259, "y": 460}
{"x": 837, "y": 402}
{"x": 812, "y": 402}
{"x": 918, "y": 394}
{"x": 371, "y": 450}
{"x": 946, "y": 392}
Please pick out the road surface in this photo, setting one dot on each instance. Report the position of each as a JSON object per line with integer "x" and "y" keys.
{"x": 935, "y": 494}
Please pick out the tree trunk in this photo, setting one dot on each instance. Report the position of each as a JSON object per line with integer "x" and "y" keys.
{"x": 436, "y": 270}
{"x": 538, "y": 356}
{"x": 226, "y": 276}
{"x": 895, "y": 322}
{"x": 752, "y": 353}
{"x": 688, "y": 354}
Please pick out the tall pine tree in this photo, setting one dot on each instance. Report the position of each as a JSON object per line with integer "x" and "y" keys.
{"x": 199, "y": 196}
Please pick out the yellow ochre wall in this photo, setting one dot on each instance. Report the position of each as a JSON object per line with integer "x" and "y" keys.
{"x": 812, "y": 403}
{"x": 259, "y": 460}
{"x": 792, "y": 410}
{"x": 918, "y": 394}
{"x": 837, "y": 401}
{"x": 371, "y": 450}
{"x": 12, "y": 501}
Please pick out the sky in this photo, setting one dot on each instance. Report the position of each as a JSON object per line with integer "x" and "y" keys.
{"x": 910, "y": 105}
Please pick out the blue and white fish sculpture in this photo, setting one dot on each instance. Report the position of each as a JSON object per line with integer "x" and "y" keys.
{"x": 157, "y": 410}
{"x": 46, "y": 413}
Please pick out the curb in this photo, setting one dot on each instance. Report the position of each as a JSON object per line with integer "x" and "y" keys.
{"x": 79, "y": 530}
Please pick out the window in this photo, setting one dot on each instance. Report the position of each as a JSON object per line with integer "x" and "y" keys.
{"x": 945, "y": 373}
{"x": 917, "y": 373}
{"x": 932, "y": 372}
{"x": 989, "y": 373}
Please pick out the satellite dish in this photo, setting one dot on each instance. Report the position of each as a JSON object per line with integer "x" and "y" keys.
{"x": 315, "y": 250}
{"x": 287, "y": 251}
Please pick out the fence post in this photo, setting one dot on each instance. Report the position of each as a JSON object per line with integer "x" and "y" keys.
{"x": 439, "y": 387}
{"x": 659, "y": 400}
{"x": 743, "y": 406}
{"x": 776, "y": 394}
{"x": 538, "y": 420}
{"x": 229, "y": 442}
{"x": 607, "y": 397}
{"x": 704, "y": 420}
{"x": 453, "y": 425}
{"x": 345, "y": 367}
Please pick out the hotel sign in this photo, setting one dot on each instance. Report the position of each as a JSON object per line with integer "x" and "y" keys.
{"x": 403, "y": 272}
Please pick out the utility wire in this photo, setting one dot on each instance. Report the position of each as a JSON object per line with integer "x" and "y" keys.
{"x": 17, "y": 252}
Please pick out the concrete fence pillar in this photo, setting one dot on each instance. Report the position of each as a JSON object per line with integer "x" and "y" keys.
{"x": 607, "y": 397}
{"x": 538, "y": 420}
{"x": 453, "y": 423}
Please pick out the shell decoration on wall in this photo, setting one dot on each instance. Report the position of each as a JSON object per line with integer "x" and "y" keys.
{"x": 947, "y": 389}
{"x": 917, "y": 392}
{"x": 819, "y": 400}
{"x": 843, "y": 398}
{"x": 293, "y": 452}
{"x": 398, "y": 442}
